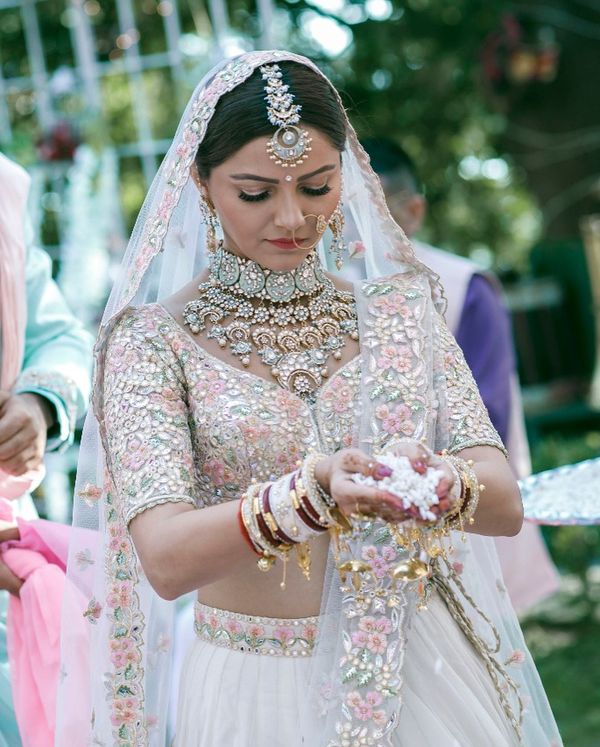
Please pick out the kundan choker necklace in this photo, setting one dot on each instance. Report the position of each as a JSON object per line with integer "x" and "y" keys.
{"x": 294, "y": 321}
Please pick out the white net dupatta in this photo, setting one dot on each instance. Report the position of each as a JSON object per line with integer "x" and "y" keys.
{"x": 356, "y": 691}
{"x": 116, "y": 631}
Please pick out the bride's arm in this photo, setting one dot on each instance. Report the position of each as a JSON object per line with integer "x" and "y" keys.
{"x": 182, "y": 548}
{"x": 500, "y": 511}
{"x": 464, "y": 428}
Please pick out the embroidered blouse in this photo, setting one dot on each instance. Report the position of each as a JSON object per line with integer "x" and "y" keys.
{"x": 183, "y": 425}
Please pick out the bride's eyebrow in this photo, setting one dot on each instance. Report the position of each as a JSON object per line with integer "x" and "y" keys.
{"x": 255, "y": 178}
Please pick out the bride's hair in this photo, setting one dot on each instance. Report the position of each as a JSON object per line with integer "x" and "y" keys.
{"x": 241, "y": 115}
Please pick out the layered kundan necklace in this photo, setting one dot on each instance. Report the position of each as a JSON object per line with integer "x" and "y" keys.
{"x": 294, "y": 321}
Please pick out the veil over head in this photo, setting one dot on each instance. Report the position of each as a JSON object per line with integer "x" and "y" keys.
{"x": 116, "y": 631}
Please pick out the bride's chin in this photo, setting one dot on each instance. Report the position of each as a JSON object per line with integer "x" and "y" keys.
{"x": 282, "y": 260}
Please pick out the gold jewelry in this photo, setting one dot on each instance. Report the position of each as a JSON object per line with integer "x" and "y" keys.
{"x": 294, "y": 320}
{"x": 211, "y": 221}
{"x": 465, "y": 507}
{"x": 336, "y": 225}
{"x": 321, "y": 227}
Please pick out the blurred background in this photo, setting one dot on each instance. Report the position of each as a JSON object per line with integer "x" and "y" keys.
{"x": 497, "y": 102}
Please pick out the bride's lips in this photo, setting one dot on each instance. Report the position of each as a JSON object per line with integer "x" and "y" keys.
{"x": 285, "y": 243}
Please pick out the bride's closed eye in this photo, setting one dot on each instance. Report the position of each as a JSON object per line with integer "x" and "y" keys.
{"x": 260, "y": 196}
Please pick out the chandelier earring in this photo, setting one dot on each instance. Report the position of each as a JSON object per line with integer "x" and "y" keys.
{"x": 211, "y": 221}
{"x": 336, "y": 226}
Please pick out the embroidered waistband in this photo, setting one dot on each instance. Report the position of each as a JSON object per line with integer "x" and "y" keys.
{"x": 256, "y": 635}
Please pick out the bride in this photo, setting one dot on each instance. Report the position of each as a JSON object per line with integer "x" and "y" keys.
{"x": 240, "y": 389}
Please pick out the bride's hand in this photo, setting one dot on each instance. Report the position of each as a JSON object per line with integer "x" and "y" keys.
{"x": 420, "y": 458}
{"x": 334, "y": 474}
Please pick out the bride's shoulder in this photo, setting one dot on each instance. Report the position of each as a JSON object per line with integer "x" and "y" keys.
{"x": 137, "y": 327}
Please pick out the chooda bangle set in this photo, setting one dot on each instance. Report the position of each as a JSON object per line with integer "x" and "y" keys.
{"x": 461, "y": 513}
{"x": 284, "y": 515}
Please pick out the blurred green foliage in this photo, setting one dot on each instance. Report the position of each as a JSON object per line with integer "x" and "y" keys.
{"x": 411, "y": 71}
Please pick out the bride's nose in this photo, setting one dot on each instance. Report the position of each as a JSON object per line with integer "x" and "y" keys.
{"x": 288, "y": 214}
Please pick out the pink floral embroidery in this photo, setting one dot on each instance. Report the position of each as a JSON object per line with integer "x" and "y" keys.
{"x": 397, "y": 420}
{"x": 218, "y": 472}
{"x": 122, "y": 652}
{"x": 124, "y": 711}
{"x": 356, "y": 250}
{"x": 125, "y": 690}
{"x": 309, "y": 632}
{"x": 119, "y": 595}
{"x": 390, "y": 304}
{"x": 516, "y": 657}
{"x": 359, "y": 638}
{"x": 339, "y": 397}
{"x": 90, "y": 494}
{"x": 243, "y": 633}
{"x": 363, "y": 707}
{"x": 136, "y": 455}
{"x": 256, "y": 631}
{"x": 283, "y": 635}
{"x": 375, "y": 624}
{"x": 93, "y": 610}
{"x": 397, "y": 357}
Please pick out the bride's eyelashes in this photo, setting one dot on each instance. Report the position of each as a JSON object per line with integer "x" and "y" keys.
{"x": 316, "y": 191}
{"x": 260, "y": 196}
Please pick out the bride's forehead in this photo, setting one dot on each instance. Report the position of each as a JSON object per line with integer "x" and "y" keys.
{"x": 254, "y": 158}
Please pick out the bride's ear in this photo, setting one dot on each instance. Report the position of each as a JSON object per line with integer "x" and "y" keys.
{"x": 200, "y": 185}
{"x": 196, "y": 176}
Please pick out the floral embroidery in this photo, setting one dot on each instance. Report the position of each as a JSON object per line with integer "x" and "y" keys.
{"x": 470, "y": 424}
{"x": 93, "y": 611}
{"x": 396, "y": 420}
{"x": 84, "y": 559}
{"x": 125, "y": 690}
{"x": 258, "y": 635}
{"x": 516, "y": 657}
{"x": 91, "y": 494}
{"x": 356, "y": 250}
{"x": 190, "y": 427}
{"x": 55, "y": 382}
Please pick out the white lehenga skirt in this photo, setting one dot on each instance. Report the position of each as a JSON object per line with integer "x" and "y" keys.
{"x": 242, "y": 695}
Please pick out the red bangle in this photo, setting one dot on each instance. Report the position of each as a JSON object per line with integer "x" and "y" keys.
{"x": 306, "y": 512}
{"x": 279, "y": 535}
{"x": 244, "y": 531}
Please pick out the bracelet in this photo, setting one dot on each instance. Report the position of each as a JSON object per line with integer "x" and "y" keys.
{"x": 275, "y": 530}
{"x": 471, "y": 490}
{"x": 244, "y": 529}
{"x": 276, "y": 517}
{"x": 328, "y": 513}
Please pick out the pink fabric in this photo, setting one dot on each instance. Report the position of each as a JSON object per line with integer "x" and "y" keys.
{"x": 33, "y": 636}
{"x": 14, "y": 186}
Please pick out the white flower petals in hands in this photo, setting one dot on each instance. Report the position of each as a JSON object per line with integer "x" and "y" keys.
{"x": 413, "y": 489}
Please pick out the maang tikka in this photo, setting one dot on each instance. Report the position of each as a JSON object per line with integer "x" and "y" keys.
{"x": 290, "y": 144}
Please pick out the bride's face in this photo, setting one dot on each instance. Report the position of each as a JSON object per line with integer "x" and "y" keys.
{"x": 261, "y": 211}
